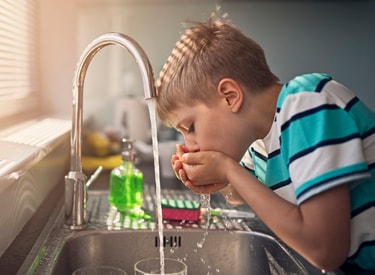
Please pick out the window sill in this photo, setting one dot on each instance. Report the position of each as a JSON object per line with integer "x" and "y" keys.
{"x": 26, "y": 144}
{"x": 34, "y": 158}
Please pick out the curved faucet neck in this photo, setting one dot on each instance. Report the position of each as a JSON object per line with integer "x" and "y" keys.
{"x": 88, "y": 54}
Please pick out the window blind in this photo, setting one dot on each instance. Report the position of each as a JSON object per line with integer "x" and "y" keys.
{"x": 18, "y": 38}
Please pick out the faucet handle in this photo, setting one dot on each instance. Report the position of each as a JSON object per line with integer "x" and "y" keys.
{"x": 94, "y": 176}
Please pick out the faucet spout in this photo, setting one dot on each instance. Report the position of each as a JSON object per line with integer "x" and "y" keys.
{"x": 75, "y": 181}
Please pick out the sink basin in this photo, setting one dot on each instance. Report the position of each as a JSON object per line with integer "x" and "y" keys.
{"x": 229, "y": 246}
{"x": 204, "y": 252}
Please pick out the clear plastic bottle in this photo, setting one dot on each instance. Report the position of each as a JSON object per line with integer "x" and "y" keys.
{"x": 126, "y": 183}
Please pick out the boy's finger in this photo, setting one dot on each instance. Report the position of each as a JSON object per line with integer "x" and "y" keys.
{"x": 183, "y": 175}
{"x": 191, "y": 158}
{"x": 179, "y": 150}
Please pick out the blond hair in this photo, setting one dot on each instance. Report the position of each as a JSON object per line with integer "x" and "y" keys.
{"x": 206, "y": 53}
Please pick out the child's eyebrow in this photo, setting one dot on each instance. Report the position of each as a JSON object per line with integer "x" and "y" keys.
{"x": 177, "y": 126}
{"x": 181, "y": 125}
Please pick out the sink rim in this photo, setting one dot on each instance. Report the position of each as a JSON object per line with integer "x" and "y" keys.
{"x": 54, "y": 237}
{"x": 70, "y": 242}
{"x": 59, "y": 237}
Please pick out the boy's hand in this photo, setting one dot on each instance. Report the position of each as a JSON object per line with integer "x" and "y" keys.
{"x": 204, "y": 172}
{"x": 177, "y": 163}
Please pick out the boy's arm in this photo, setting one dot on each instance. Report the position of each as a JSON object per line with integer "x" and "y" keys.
{"x": 231, "y": 195}
{"x": 318, "y": 229}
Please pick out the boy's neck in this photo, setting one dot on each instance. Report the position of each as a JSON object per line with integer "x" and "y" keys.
{"x": 268, "y": 105}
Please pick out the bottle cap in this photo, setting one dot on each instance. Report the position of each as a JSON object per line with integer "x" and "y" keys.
{"x": 128, "y": 154}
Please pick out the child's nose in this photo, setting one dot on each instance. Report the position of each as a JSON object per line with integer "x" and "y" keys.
{"x": 191, "y": 145}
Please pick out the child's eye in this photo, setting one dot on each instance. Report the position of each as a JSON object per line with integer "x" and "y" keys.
{"x": 191, "y": 129}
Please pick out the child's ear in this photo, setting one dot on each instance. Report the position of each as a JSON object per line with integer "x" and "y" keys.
{"x": 231, "y": 92}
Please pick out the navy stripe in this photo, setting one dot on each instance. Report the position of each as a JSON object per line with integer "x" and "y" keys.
{"x": 307, "y": 113}
{"x": 247, "y": 168}
{"x": 322, "y": 83}
{"x": 351, "y": 103}
{"x": 368, "y": 133}
{"x": 274, "y": 153}
{"x": 363, "y": 245}
{"x": 363, "y": 208}
{"x": 259, "y": 155}
{"x": 280, "y": 184}
{"x": 372, "y": 166}
{"x": 330, "y": 179}
{"x": 322, "y": 144}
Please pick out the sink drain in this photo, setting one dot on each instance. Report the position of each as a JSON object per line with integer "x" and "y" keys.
{"x": 171, "y": 241}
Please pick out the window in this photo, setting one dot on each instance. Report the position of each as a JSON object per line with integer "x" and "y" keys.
{"x": 18, "y": 56}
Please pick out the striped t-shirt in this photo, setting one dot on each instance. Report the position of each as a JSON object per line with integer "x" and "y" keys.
{"x": 322, "y": 136}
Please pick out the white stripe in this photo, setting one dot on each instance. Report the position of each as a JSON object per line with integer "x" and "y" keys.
{"x": 287, "y": 193}
{"x": 297, "y": 103}
{"x": 337, "y": 94}
{"x": 369, "y": 148}
{"x": 354, "y": 180}
{"x": 362, "y": 229}
{"x": 332, "y": 93}
{"x": 247, "y": 160}
{"x": 325, "y": 159}
{"x": 271, "y": 141}
{"x": 259, "y": 146}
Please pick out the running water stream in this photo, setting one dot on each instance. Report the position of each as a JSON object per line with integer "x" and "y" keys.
{"x": 151, "y": 108}
{"x": 204, "y": 199}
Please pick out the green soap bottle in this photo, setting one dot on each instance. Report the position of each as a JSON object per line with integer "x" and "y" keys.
{"x": 126, "y": 182}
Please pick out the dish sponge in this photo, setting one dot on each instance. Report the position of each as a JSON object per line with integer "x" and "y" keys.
{"x": 180, "y": 210}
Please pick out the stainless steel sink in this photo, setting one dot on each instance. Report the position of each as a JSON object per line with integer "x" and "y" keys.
{"x": 229, "y": 246}
{"x": 204, "y": 252}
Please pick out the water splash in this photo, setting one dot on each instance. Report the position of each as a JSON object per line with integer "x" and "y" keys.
{"x": 205, "y": 201}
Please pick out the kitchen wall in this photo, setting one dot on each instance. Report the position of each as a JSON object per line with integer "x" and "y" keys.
{"x": 337, "y": 37}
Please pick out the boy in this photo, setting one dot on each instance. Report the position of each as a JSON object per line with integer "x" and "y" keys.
{"x": 301, "y": 155}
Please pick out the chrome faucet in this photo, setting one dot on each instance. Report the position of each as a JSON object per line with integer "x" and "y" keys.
{"x": 76, "y": 180}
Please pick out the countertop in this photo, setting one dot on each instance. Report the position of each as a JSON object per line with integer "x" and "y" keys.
{"x": 16, "y": 253}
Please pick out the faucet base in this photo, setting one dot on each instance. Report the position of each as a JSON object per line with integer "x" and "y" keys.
{"x": 75, "y": 200}
{"x": 75, "y": 227}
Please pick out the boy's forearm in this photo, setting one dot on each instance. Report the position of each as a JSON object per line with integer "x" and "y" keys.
{"x": 232, "y": 196}
{"x": 313, "y": 235}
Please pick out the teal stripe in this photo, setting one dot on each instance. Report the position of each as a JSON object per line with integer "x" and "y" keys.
{"x": 313, "y": 129}
{"x": 331, "y": 175}
{"x": 260, "y": 167}
{"x": 363, "y": 116}
{"x": 366, "y": 259}
{"x": 303, "y": 83}
{"x": 278, "y": 171}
